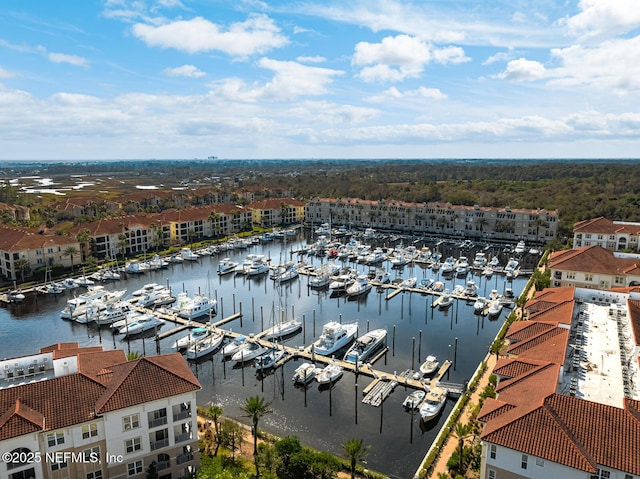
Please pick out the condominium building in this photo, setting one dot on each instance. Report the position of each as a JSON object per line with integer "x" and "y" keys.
{"x": 611, "y": 235}
{"x": 479, "y": 222}
{"x": 568, "y": 391}
{"x": 70, "y": 412}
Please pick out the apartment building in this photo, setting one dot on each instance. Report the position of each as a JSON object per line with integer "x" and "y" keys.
{"x": 277, "y": 212}
{"x": 611, "y": 235}
{"x": 594, "y": 267}
{"x": 70, "y": 412}
{"x": 476, "y": 222}
{"x": 568, "y": 390}
{"x": 24, "y": 250}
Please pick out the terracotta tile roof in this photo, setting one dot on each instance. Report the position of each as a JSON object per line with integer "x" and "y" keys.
{"x": 492, "y": 408}
{"x": 113, "y": 226}
{"x": 558, "y": 295}
{"x": 592, "y": 259}
{"x": 605, "y": 226}
{"x": 513, "y": 368}
{"x": 525, "y": 330}
{"x": 20, "y": 418}
{"x": 59, "y": 346}
{"x": 21, "y": 239}
{"x": 560, "y": 313}
{"x": 90, "y": 363}
{"x": 550, "y": 346}
{"x": 146, "y": 379}
{"x": 275, "y": 203}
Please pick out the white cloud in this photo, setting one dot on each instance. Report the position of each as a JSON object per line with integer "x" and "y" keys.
{"x": 523, "y": 70}
{"x": 71, "y": 59}
{"x": 5, "y": 74}
{"x": 258, "y": 34}
{"x": 189, "y": 71}
{"x": 291, "y": 80}
{"x": 400, "y": 57}
{"x": 394, "y": 94}
{"x": 499, "y": 57}
{"x": 316, "y": 59}
{"x": 603, "y": 17}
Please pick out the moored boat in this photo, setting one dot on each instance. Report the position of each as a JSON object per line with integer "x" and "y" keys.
{"x": 429, "y": 365}
{"x": 330, "y": 373}
{"x": 365, "y": 346}
{"x": 433, "y": 403}
{"x": 194, "y": 335}
{"x": 269, "y": 359}
{"x": 413, "y": 400}
{"x": 205, "y": 345}
{"x": 305, "y": 373}
{"x": 251, "y": 351}
{"x": 334, "y": 337}
{"x": 282, "y": 329}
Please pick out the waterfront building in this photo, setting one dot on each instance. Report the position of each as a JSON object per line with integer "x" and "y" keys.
{"x": 567, "y": 397}
{"x": 91, "y": 207}
{"x": 89, "y": 413}
{"x": 611, "y": 235}
{"x": 23, "y": 250}
{"x": 594, "y": 267}
{"x": 277, "y": 212}
{"x": 479, "y": 222}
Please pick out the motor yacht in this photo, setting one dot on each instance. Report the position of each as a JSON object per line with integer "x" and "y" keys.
{"x": 433, "y": 403}
{"x": 365, "y": 346}
{"x": 334, "y": 337}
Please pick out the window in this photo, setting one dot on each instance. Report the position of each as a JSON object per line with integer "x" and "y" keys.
{"x": 132, "y": 445}
{"x": 539, "y": 462}
{"x": 157, "y": 417}
{"x": 491, "y": 474}
{"x": 130, "y": 422}
{"x": 94, "y": 475}
{"x": 493, "y": 449}
{"x": 55, "y": 438}
{"x": 92, "y": 454}
{"x": 58, "y": 465}
{"x": 89, "y": 430}
{"x": 29, "y": 473}
{"x": 523, "y": 463}
{"x": 588, "y": 277}
{"x": 134, "y": 468}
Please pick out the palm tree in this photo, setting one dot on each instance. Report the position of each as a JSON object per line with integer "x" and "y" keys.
{"x": 70, "y": 251}
{"x": 83, "y": 238}
{"x": 461, "y": 432}
{"x": 22, "y": 264}
{"x": 357, "y": 451}
{"x": 496, "y": 347}
{"x": 133, "y": 355}
{"x": 214, "y": 413}
{"x": 256, "y": 407}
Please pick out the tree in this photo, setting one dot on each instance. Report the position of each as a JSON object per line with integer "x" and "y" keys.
{"x": 22, "y": 264}
{"x": 84, "y": 237}
{"x": 70, "y": 251}
{"x": 461, "y": 432}
{"x": 496, "y": 347}
{"x": 214, "y": 412}
{"x": 357, "y": 451}
{"x": 152, "y": 471}
{"x": 231, "y": 436}
{"x": 132, "y": 355}
{"x": 256, "y": 407}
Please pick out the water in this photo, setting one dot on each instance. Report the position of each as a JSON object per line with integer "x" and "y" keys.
{"x": 329, "y": 417}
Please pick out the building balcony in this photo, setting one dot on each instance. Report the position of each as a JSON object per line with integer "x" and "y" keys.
{"x": 162, "y": 465}
{"x": 161, "y": 421}
{"x": 185, "y": 436}
{"x": 185, "y": 457}
{"x": 159, "y": 444}
{"x": 178, "y": 416}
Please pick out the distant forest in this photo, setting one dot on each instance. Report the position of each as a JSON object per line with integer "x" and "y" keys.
{"x": 578, "y": 189}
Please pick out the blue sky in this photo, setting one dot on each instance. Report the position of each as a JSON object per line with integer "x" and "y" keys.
{"x": 319, "y": 79}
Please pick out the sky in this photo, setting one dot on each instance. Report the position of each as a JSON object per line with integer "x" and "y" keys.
{"x": 181, "y": 79}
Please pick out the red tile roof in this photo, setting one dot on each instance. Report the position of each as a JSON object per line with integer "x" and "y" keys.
{"x": 603, "y": 225}
{"x": 593, "y": 259}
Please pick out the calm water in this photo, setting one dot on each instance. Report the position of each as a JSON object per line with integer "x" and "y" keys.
{"x": 320, "y": 418}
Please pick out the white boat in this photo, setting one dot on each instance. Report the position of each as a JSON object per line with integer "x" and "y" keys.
{"x": 480, "y": 260}
{"x": 448, "y": 265}
{"x": 141, "y": 323}
{"x": 269, "y": 359}
{"x": 360, "y": 287}
{"x": 446, "y": 300}
{"x": 382, "y": 277}
{"x": 136, "y": 267}
{"x": 319, "y": 281}
{"x": 114, "y": 312}
{"x": 409, "y": 283}
{"x": 305, "y": 373}
{"x": 252, "y": 351}
{"x": 80, "y": 304}
{"x": 205, "y": 345}
{"x": 194, "y": 335}
{"x": 413, "y": 400}
{"x": 157, "y": 263}
{"x": 432, "y": 404}
{"x": 512, "y": 266}
{"x": 157, "y": 297}
{"x": 176, "y": 258}
{"x": 188, "y": 255}
{"x": 147, "y": 288}
{"x": 365, "y": 346}
{"x": 282, "y": 329}
{"x": 334, "y": 337}
{"x": 520, "y": 248}
{"x": 197, "y": 307}
{"x": 84, "y": 281}
{"x": 15, "y": 296}
{"x": 495, "y": 308}
{"x": 429, "y": 365}
{"x": 437, "y": 287}
{"x": 462, "y": 266}
{"x": 235, "y": 345}
{"x": 494, "y": 264}
{"x": 341, "y": 283}
{"x": 375, "y": 257}
{"x": 330, "y": 373}
{"x": 69, "y": 283}
{"x": 480, "y": 304}
{"x": 471, "y": 288}
{"x": 226, "y": 265}
{"x": 289, "y": 273}
{"x": 49, "y": 288}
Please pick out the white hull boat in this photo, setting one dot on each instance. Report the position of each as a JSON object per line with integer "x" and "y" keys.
{"x": 206, "y": 345}
{"x": 330, "y": 373}
{"x": 305, "y": 373}
{"x": 234, "y": 346}
{"x": 361, "y": 287}
{"x": 365, "y": 346}
{"x": 282, "y": 329}
{"x": 194, "y": 335}
{"x": 199, "y": 306}
{"x": 429, "y": 365}
{"x": 252, "y": 351}
{"x": 334, "y": 337}
{"x": 413, "y": 400}
{"x": 432, "y": 404}
{"x": 226, "y": 266}
{"x": 140, "y": 324}
{"x": 269, "y": 359}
